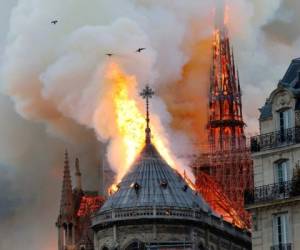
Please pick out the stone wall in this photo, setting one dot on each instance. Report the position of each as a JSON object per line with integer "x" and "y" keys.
{"x": 262, "y": 235}
{"x": 153, "y": 233}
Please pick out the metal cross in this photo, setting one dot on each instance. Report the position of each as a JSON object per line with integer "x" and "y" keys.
{"x": 146, "y": 94}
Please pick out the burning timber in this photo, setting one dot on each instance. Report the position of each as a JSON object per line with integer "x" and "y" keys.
{"x": 226, "y": 158}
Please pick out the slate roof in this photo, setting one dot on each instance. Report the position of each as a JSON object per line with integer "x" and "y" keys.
{"x": 266, "y": 111}
{"x": 290, "y": 81}
{"x": 152, "y": 182}
{"x": 292, "y": 72}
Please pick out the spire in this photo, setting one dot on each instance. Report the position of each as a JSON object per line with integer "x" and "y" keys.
{"x": 66, "y": 203}
{"x": 78, "y": 175}
{"x": 146, "y": 94}
{"x": 225, "y": 115}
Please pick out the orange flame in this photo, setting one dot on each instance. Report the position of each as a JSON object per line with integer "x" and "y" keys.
{"x": 130, "y": 121}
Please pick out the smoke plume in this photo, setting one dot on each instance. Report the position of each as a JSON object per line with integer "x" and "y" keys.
{"x": 55, "y": 78}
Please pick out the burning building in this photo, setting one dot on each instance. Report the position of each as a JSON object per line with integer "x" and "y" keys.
{"x": 154, "y": 208}
{"x": 151, "y": 206}
{"x": 76, "y": 206}
{"x": 227, "y": 158}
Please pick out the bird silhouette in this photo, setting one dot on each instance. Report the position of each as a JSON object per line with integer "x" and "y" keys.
{"x": 139, "y": 50}
{"x": 54, "y": 21}
{"x": 109, "y": 54}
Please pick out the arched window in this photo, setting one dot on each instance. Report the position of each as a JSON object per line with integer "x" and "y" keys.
{"x": 226, "y": 109}
{"x": 227, "y": 138}
{"x": 136, "y": 245}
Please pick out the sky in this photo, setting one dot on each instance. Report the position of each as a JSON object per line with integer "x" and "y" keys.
{"x": 38, "y": 122}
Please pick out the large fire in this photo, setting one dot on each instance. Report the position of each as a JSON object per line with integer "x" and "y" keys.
{"x": 130, "y": 120}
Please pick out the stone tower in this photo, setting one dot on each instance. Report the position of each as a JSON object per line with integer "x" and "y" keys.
{"x": 76, "y": 207}
{"x": 66, "y": 220}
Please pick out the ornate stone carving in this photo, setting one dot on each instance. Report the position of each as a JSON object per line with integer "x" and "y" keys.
{"x": 282, "y": 100}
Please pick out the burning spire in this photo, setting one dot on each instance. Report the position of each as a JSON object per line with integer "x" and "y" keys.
{"x": 146, "y": 94}
{"x": 228, "y": 160}
{"x": 225, "y": 124}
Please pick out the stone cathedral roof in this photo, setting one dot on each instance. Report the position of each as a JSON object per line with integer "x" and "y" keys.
{"x": 152, "y": 182}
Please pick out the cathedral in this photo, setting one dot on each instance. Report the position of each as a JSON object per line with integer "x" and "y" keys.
{"x": 153, "y": 208}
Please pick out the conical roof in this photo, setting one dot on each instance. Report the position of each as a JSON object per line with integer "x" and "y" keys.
{"x": 151, "y": 182}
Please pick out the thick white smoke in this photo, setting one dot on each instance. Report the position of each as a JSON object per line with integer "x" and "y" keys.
{"x": 56, "y": 73}
{"x": 55, "y": 77}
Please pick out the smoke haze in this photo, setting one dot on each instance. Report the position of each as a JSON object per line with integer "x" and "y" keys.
{"x": 53, "y": 82}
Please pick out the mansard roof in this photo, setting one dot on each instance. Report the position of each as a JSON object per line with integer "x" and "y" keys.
{"x": 292, "y": 72}
{"x": 290, "y": 82}
{"x": 152, "y": 182}
{"x": 266, "y": 111}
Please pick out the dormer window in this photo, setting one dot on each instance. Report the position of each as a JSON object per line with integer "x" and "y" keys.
{"x": 285, "y": 124}
{"x": 164, "y": 184}
{"x": 135, "y": 186}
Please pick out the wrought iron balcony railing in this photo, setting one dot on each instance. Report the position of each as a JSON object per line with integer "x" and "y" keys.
{"x": 275, "y": 139}
{"x": 286, "y": 246}
{"x": 276, "y": 191}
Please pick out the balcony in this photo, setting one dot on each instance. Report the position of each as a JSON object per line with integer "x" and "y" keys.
{"x": 286, "y": 246}
{"x": 275, "y": 139}
{"x": 276, "y": 191}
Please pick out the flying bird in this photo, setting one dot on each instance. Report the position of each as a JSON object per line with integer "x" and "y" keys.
{"x": 54, "y": 21}
{"x": 140, "y": 50}
{"x": 109, "y": 54}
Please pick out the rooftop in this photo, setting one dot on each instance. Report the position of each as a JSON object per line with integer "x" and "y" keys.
{"x": 152, "y": 182}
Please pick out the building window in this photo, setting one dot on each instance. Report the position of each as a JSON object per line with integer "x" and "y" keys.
{"x": 282, "y": 171}
{"x": 285, "y": 125}
{"x": 285, "y": 119}
{"x": 280, "y": 229}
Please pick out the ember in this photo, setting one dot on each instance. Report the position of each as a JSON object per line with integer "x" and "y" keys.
{"x": 89, "y": 205}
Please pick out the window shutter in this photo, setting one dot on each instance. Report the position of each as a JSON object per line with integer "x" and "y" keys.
{"x": 275, "y": 231}
{"x": 284, "y": 218}
{"x": 288, "y": 170}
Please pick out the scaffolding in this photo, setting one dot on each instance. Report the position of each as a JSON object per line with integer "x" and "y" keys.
{"x": 226, "y": 158}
